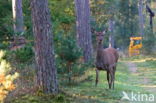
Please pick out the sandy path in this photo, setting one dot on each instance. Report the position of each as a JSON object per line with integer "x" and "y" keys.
{"x": 143, "y": 80}
{"x": 132, "y": 67}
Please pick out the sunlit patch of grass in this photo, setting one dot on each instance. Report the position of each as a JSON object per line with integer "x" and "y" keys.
{"x": 139, "y": 58}
{"x": 132, "y": 58}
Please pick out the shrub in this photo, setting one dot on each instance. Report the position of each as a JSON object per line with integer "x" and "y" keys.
{"x": 68, "y": 57}
{"x": 6, "y": 79}
{"x": 24, "y": 55}
{"x": 148, "y": 42}
{"x": 4, "y": 45}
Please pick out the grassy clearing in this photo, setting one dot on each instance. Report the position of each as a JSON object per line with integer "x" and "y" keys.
{"x": 86, "y": 92}
{"x": 101, "y": 93}
{"x": 146, "y": 68}
{"x": 147, "y": 71}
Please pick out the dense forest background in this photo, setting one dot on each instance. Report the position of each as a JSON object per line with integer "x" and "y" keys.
{"x": 121, "y": 19}
{"x": 124, "y": 14}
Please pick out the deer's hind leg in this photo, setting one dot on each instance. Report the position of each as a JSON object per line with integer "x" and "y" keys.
{"x": 114, "y": 70}
{"x": 97, "y": 77}
{"x": 111, "y": 78}
{"x": 108, "y": 79}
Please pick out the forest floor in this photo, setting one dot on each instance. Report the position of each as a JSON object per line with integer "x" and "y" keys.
{"x": 135, "y": 77}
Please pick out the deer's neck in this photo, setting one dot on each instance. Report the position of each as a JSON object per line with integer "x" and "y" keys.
{"x": 100, "y": 48}
{"x": 99, "y": 52}
{"x": 99, "y": 57}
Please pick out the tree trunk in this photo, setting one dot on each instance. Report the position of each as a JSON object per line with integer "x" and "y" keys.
{"x": 141, "y": 19}
{"x": 17, "y": 16}
{"x": 111, "y": 36}
{"x": 44, "y": 52}
{"x": 84, "y": 39}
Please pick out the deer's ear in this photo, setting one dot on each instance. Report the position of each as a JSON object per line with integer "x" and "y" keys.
{"x": 93, "y": 30}
{"x": 96, "y": 32}
{"x": 104, "y": 32}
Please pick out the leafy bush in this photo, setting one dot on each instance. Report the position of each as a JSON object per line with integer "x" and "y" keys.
{"x": 6, "y": 79}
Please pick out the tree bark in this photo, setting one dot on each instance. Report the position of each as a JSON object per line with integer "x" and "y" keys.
{"x": 141, "y": 19}
{"x": 44, "y": 52}
{"x": 84, "y": 39}
{"x": 18, "y": 24}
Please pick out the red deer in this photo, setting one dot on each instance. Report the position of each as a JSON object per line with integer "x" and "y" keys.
{"x": 106, "y": 59}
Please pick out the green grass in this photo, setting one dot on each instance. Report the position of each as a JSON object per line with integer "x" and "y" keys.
{"x": 86, "y": 92}
{"x": 41, "y": 99}
{"x": 101, "y": 93}
{"x": 147, "y": 69}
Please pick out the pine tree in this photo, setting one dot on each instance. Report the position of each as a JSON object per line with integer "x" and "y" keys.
{"x": 44, "y": 52}
{"x": 84, "y": 39}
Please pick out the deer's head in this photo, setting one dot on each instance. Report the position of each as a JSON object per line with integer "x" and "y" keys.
{"x": 100, "y": 36}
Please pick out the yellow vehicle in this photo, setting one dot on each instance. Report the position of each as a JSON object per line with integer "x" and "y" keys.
{"x": 135, "y": 46}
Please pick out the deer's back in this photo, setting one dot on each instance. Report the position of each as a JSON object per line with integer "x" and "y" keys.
{"x": 111, "y": 55}
{"x": 113, "y": 52}
{"x": 107, "y": 58}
